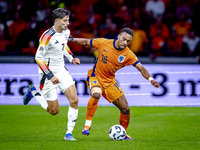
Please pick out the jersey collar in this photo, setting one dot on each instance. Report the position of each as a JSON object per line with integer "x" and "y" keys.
{"x": 119, "y": 49}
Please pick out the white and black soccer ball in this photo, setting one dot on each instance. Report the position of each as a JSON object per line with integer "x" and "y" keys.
{"x": 117, "y": 132}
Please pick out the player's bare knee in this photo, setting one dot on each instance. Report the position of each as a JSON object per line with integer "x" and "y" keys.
{"x": 126, "y": 111}
{"x": 96, "y": 92}
{"x": 96, "y": 96}
{"x": 74, "y": 103}
{"x": 75, "y": 100}
{"x": 53, "y": 111}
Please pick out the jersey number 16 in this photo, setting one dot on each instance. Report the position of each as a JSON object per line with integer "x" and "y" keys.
{"x": 104, "y": 59}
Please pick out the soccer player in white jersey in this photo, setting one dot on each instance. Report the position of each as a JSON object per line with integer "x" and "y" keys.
{"x": 52, "y": 72}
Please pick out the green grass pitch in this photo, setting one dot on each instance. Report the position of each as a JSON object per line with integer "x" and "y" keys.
{"x": 160, "y": 128}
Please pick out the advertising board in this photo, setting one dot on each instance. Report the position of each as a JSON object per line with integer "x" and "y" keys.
{"x": 180, "y": 84}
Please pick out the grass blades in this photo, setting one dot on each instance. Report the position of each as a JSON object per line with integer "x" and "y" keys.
{"x": 160, "y": 128}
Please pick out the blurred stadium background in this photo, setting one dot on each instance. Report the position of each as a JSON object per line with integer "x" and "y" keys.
{"x": 166, "y": 41}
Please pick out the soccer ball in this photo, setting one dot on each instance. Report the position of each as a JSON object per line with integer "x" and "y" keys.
{"x": 117, "y": 132}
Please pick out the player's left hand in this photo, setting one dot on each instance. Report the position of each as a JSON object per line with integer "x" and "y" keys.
{"x": 76, "y": 61}
{"x": 70, "y": 39}
{"x": 155, "y": 83}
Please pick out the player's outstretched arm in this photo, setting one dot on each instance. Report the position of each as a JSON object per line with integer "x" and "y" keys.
{"x": 147, "y": 75}
{"x": 80, "y": 41}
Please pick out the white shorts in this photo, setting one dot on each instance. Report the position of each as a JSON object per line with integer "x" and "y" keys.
{"x": 49, "y": 91}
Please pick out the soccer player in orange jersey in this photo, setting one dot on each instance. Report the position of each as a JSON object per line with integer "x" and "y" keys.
{"x": 112, "y": 55}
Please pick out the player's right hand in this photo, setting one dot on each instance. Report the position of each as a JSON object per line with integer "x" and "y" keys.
{"x": 55, "y": 80}
{"x": 76, "y": 61}
{"x": 155, "y": 83}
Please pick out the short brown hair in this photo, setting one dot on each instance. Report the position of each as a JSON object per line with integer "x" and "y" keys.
{"x": 59, "y": 13}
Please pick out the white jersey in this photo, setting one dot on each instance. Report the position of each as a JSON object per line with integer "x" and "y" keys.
{"x": 51, "y": 51}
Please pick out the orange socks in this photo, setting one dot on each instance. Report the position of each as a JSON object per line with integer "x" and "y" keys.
{"x": 124, "y": 120}
{"x": 91, "y": 108}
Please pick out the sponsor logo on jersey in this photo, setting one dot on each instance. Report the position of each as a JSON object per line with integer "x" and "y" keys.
{"x": 41, "y": 48}
{"x": 121, "y": 58}
{"x": 95, "y": 81}
{"x": 56, "y": 42}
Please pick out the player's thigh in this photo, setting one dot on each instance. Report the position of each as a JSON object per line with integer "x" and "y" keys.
{"x": 94, "y": 85}
{"x": 71, "y": 94}
{"x": 67, "y": 86}
{"x": 52, "y": 100}
{"x": 113, "y": 92}
{"x": 66, "y": 80}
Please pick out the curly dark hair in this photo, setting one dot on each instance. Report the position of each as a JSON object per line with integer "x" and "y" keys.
{"x": 127, "y": 30}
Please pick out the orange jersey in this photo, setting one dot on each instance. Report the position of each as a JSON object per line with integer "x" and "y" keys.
{"x": 109, "y": 60}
